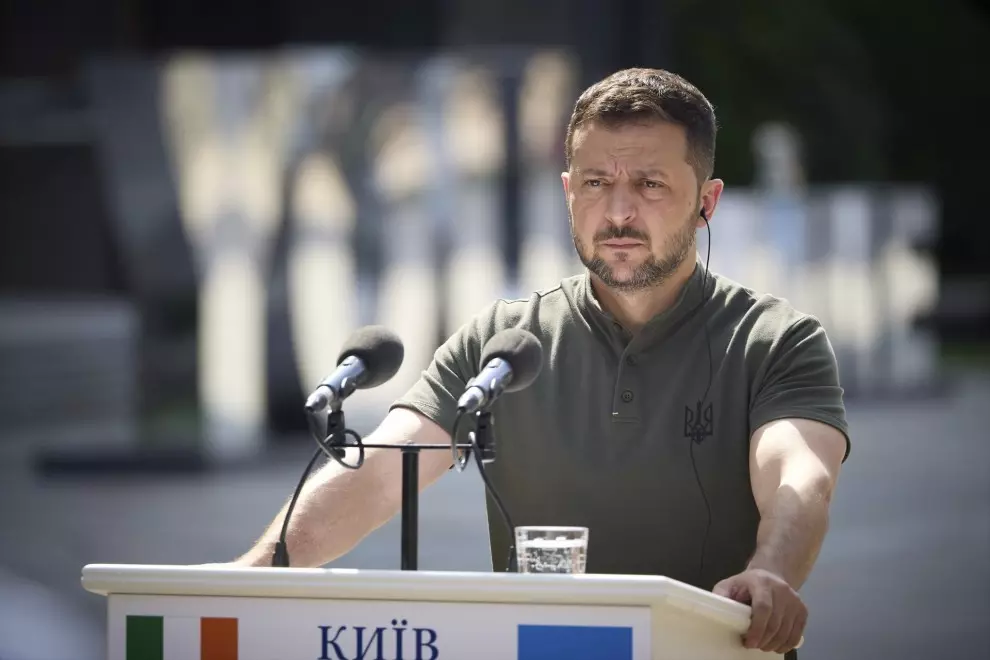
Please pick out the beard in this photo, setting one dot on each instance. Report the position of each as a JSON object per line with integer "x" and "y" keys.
{"x": 653, "y": 271}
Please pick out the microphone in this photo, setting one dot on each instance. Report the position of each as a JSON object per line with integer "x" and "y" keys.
{"x": 371, "y": 356}
{"x": 510, "y": 362}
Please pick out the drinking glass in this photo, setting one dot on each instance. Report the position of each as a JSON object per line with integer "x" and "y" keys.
{"x": 547, "y": 549}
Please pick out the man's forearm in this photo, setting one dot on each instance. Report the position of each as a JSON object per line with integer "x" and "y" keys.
{"x": 791, "y": 532}
{"x": 336, "y": 509}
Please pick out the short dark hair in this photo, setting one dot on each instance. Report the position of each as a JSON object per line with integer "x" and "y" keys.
{"x": 633, "y": 95}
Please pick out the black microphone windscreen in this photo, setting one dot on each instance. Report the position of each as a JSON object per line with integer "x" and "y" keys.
{"x": 522, "y": 350}
{"x": 381, "y": 351}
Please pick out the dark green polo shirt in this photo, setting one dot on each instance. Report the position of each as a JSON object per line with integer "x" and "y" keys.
{"x": 603, "y": 438}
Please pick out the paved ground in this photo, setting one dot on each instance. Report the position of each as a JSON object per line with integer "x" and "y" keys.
{"x": 905, "y": 572}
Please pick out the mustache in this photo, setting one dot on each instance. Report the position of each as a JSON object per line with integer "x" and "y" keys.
{"x": 615, "y": 233}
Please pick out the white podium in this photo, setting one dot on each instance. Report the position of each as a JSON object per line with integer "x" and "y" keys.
{"x": 225, "y": 613}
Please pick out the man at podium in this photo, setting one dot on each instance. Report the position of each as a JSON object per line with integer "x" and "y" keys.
{"x": 694, "y": 426}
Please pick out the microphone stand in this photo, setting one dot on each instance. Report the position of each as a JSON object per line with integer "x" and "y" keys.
{"x": 334, "y": 444}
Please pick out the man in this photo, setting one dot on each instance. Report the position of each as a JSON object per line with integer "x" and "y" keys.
{"x": 696, "y": 427}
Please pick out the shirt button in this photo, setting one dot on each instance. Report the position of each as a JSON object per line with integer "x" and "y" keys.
{"x": 631, "y": 360}
{"x": 627, "y": 396}
{"x": 617, "y": 327}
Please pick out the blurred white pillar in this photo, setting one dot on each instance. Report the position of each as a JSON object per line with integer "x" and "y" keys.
{"x": 734, "y": 239}
{"x": 911, "y": 281}
{"x": 780, "y": 187}
{"x": 405, "y": 169}
{"x": 321, "y": 273}
{"x": 475, "y": 271}
{"x": 225, "y": 120}
{"x": 855, "y": 307}
{"x": 547, "y": 253}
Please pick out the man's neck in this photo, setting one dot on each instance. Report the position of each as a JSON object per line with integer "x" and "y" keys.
{"x": 634, "y": 309}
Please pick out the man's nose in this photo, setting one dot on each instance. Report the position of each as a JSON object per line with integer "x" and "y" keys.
{"x": 620, "y": 209}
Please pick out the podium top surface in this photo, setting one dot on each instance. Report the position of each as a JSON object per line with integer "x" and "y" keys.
{"x": 437, "y": 586}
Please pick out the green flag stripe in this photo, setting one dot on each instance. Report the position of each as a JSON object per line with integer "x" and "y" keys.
{"x": 145, "y": 638}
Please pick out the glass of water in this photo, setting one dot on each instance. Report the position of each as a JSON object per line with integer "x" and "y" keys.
{"x": 551, "y": 549}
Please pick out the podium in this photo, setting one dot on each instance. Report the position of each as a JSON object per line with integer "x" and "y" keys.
{"x": 232, "y": 613}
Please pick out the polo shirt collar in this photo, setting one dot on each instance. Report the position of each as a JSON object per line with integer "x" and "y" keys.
{"x": 654, "y": 330}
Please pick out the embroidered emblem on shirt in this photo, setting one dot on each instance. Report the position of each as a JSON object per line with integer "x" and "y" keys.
{"x": 698, "y": 422}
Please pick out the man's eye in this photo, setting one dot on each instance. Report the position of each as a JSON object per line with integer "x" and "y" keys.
{"x": 593, "y": 183}
{"x": 652, "y": 184}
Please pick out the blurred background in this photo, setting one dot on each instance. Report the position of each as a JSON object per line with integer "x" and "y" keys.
{"x": 200, "y": 201}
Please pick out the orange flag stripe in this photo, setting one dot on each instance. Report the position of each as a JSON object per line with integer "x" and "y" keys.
{"x": 218, "y": 639}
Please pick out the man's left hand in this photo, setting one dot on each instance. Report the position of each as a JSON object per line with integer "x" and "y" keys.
{"x": 778, "y": 617}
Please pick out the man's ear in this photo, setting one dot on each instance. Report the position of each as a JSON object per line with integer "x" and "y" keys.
{"x": 711, "y": 192}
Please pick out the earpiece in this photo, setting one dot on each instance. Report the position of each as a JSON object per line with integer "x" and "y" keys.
{"x": 691, "y": 443}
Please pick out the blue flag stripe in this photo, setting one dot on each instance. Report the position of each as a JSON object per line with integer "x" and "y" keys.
{"x": 575, "y": 643}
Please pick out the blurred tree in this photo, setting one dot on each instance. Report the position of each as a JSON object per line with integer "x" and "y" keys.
{"x": 777, "y": 60}
{"x": 929, "y": 56}
{"x": 880, "y": 91}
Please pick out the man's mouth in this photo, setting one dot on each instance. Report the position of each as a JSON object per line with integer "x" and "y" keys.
{"x": 622, "y": 245}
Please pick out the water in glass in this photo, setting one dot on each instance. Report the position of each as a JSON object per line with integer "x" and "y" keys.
{"x": 552, "y": 550}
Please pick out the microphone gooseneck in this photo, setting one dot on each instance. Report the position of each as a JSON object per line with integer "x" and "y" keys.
{"x": 370, "y": 357}
{"x": 510, "y": 362}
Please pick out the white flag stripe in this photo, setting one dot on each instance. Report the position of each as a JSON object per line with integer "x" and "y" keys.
{"x": 181, "y": 638}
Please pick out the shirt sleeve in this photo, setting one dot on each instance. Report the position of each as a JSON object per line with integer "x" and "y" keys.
{"x": 801, "y": 381}
{"x": 435, "y": 393}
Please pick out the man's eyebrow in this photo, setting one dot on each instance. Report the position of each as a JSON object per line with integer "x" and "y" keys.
{"x": 648, "y": 172}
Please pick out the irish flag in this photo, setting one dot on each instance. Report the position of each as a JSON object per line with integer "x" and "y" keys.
{"x": 180, "y": 638}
